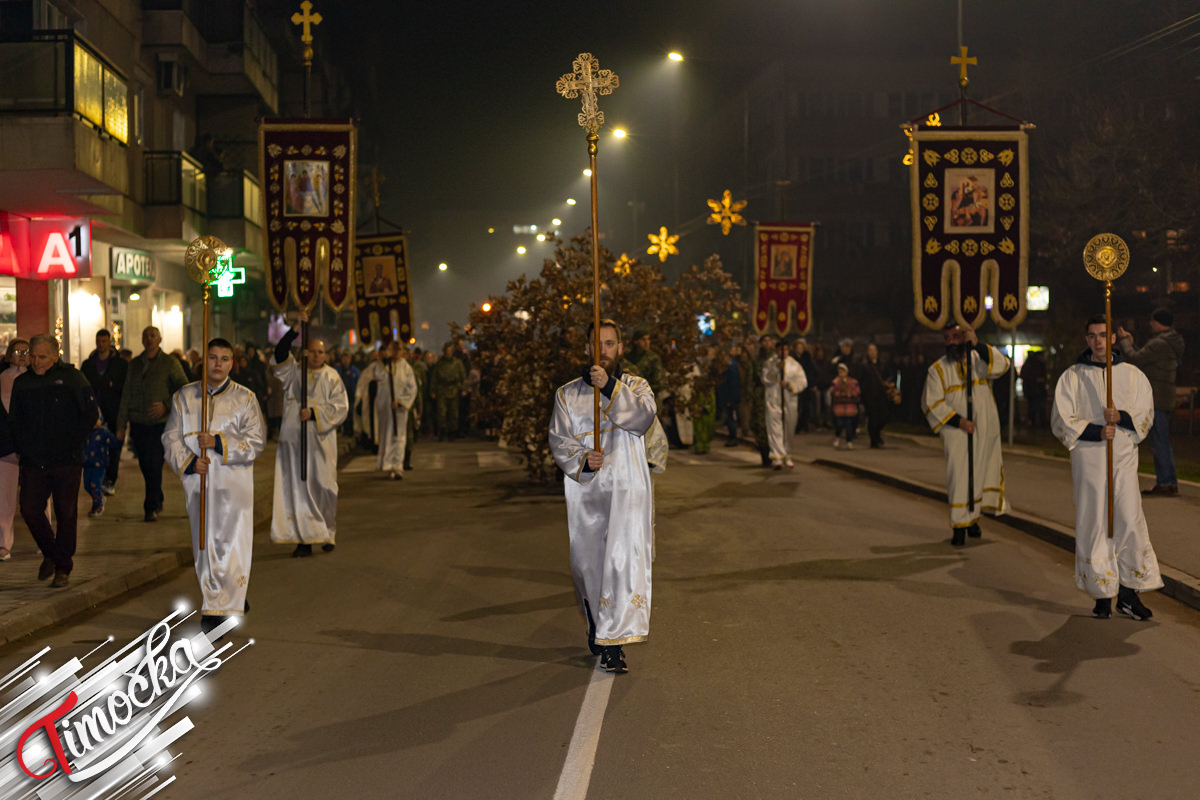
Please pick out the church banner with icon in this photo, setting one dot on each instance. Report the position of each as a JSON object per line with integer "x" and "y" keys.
{"x": 383, "y": 309}
{"x": 783, "y": 278}
{"x": 970, "y": 201}
{"x": 307, "y": 172}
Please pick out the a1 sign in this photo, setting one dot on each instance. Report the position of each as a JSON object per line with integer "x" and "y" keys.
{"x": 44, "y": 249}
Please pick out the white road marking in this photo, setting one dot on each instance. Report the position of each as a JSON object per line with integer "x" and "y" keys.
{"x": 438, "y": 461}
{"x": 494, "y": 458}
{"x": 581, "y": 755}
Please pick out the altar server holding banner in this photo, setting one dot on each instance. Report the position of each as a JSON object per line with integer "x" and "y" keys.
{"x": 305, "y": 511}
{"x": 234, "y": 437}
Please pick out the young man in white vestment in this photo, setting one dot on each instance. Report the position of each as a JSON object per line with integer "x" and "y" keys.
{"x": 233, "y": 438}
{"x": 305, "y": 511}
{"x": 968, "y": 366}
{"x": 782, "y": 387}
{"x": 395, "y": 394}
{"x": 609, "y": 497}
{"x": 1083, "y": 421}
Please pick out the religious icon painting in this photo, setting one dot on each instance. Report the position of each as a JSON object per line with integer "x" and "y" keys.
{"x": 306, "y": 188}
{"x": 783, "y": 262}
{"x": 968, "y": 201}
{"x": 783, "y": 278}
{"x": 384, "y": 310}
{"x": 380, "y": 274}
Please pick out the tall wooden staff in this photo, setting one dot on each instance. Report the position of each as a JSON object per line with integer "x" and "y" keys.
{"x": 586, "y": 81}
{"x": 1106, "y": 257}
{"x": 202, "y": 259}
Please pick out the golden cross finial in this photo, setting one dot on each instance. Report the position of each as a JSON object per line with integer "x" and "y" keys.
{"x": 305, "y": 20}
{"x": 963, "y": 62}
{"x": 588, "y": 80}
{"x": 374, "y": 180}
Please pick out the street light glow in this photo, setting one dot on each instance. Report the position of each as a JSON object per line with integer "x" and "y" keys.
{"x": 587, "y": 172}
{"x": 556, "y": 222}
{"x": 619, "y": 133}
{"x": 491, "y": 230}
{"x": 541, "y": 237}
{"x": 675, "y": 56}
{"x": 521, "y": 250}
{"x": 442, "y": 266}
{"x": 486, "y": 307}
{"x": 570, "y": 201}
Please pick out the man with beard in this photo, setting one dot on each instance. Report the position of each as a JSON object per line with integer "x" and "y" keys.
{"x": 1124, "y": 564}
{"x": 609, "y": 497}
{"x": 959, "y": 406}
{"x": 305, "y": 511}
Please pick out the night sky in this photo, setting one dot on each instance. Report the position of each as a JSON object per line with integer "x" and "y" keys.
{"x": 458, "y": 107}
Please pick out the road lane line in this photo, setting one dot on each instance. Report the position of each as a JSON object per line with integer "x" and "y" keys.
{"x": 581, "y": 755}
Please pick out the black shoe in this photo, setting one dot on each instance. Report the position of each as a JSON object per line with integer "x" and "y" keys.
{"x": 613, "y": 660}
{"x": 1129, "y": 604}
{"x": 974, "y": 531}
{"x": 408, "y": 467}
{"x": 302, "y": 551}
{"x": 328, "y": 547}
{"x": 46, "y": 569}
{"x": 1103, "y": 608}
{"x": 61, "y": 579}
{"x": 595, "y": 648}
{"x": 959, "y": 538}
{"x": 151, "y": 516}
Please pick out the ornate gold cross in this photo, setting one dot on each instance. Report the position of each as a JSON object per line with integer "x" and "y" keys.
{"x": 588, "y": 80}
{"x": 305, "y": 19}
{"x": 963, "y": 62}
{"x": 374, "y": 181}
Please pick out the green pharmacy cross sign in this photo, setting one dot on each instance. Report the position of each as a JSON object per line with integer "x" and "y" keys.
{"x": 225, "y": 275}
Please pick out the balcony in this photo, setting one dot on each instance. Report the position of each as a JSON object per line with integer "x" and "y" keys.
{"x": 235, "y": 212}
{"x": 176, "y": 196}
{"x": 64, "y": 121}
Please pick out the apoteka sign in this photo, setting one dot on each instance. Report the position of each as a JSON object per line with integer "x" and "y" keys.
{"x": 88, "y": 734}
{"x": 133, "y": 265}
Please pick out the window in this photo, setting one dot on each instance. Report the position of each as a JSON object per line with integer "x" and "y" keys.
{"x": 101, "y": 96}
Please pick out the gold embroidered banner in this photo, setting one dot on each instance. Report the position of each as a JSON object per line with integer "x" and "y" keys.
{"x": 383, "y": 310}
{"x": 783, "y": 278}
{"x": 970, "y": 206}
{"x": 307, "y": 172}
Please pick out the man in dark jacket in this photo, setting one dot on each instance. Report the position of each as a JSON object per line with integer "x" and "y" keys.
{"x": 105, "y": 371}
{"x": 52, "y": 412}
{"x": 1159, "y": 359}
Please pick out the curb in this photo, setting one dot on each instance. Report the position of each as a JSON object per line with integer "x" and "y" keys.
{"x": 78, "y": 599}
{"x": 1177, "y": 584}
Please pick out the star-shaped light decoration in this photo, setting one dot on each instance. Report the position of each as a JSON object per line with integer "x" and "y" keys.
{"x": 623, "y": 264}
{"x": 663, "y": 244}
{"x": 725, "y": 213}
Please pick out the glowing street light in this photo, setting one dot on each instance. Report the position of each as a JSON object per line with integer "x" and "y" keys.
{"x": 587, "y": 172}
{"x": 521, "y": 250}
{"x": 620, "y": 133}
{"x": 541, "y": 237}
{"x": 486, "y": 308}
{"x": 556, "y": 222}
{"x": 675, "y": 56}
{"x": 442, "y": 266}
{"x": 570, "y": 201}
{"x": 491, "y": 230}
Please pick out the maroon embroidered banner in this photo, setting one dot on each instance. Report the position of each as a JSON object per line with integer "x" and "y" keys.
{"x": 383, "y": 310}
{"x": 307, "y": 172}
{"x": 970, "y": 207}
{"x": 783, "y": 278}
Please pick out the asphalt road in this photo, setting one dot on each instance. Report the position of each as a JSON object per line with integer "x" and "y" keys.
{"x": 813, "y": 636}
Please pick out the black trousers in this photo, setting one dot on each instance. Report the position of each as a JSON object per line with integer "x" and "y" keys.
{"x": 114, "y": 457}
{"x": 38, "y": 484}
{"x": 147, "y": 446}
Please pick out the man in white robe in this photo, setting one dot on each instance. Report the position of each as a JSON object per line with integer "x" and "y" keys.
{"x": 944, "y": 402}
{"x": 782, "y": 388}
{"x": 395, "y": 394}
{"x": 1083, "y": 421}
{"x": 233, "y": 438}
{"x": 609, "y": 498}
{"x": 305, "y": 511}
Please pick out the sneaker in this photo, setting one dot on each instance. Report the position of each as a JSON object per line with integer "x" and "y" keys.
{"x": 109, "y": 488}
{"x": 959, "y": 538}
{"x": 1103, "y": 608}
{"x": 5, "y": 555}
{"x": 849, "y": 445}
{"x": 1131, "y": 606}
{"x": 613, "y": 660}
{"x": 96, "y": 510}
{"x": 837, "y": 443}
{"x": 1162, "y": 490}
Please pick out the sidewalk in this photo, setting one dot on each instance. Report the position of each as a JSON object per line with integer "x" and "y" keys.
{"x": 1040, "y": 491}
{"x": 117, "y": 552}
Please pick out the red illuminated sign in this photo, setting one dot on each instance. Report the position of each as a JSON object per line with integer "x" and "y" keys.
{"x": 47, "y": 248}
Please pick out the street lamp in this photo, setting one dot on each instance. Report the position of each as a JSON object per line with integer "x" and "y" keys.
{"x": 570, "y": 201}
{"x": 675, "y": 56}
{"x": 521, "y": 250}
{"x": 587, "y": 172}
{"x": 442, "y": 266}
{"x": 619, "y": 133}
{"x": 556, "y": 222}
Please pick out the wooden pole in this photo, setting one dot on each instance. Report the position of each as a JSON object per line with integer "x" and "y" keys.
{"x": 204, "y": 420}
{"x": 592, "y": 139}
{"x": 304, "y": 400}
{"x": 1108, "y": 388}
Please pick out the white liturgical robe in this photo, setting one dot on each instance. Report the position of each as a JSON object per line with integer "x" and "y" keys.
{"x": 305, "y": 511}
{"x": 1102, "y": 564}
{"x": 781, "y": 393}
{"x": 609, "y": 511}
{"x": 396, "y": 383}
{"x": 223, "y": 567}
{"x": 946, "y": 396}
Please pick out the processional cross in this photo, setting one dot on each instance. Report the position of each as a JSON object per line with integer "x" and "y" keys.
{"x": 305, "y": 19}
{"x": 963, "y": 62}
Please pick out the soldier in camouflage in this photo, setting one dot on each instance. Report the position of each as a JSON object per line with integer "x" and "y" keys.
{"x": 448, "y": 383}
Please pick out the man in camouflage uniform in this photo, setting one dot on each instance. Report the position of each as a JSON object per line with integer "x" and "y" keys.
{"x": 418, "y": 407}
{"x": 447, "y": 384}
{"x": 757, "y": 352}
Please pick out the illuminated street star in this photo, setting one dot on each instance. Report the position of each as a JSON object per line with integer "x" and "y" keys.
{"x": 663, "y": 244}
{"x": 623, "y": 264}
{"x": 725, "y": 213}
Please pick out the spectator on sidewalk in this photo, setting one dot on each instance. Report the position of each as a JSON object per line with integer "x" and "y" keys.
{"x": 17, "y": 358}
{"x": 729, "y": 394}
{"x": 1159, "y": 360}
{"x": 153, "y": 378}
{"x": 1124, "y": 564}
{"x": 821, "y": 379}
{"x": 1033, "y": 386}
{"x": 844, "y": 394}
{"x": 105, "y": 370}
{"x": 877, "y": 377}
{"x": 53, "y": 411}
{"x": 101, "y": 444}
